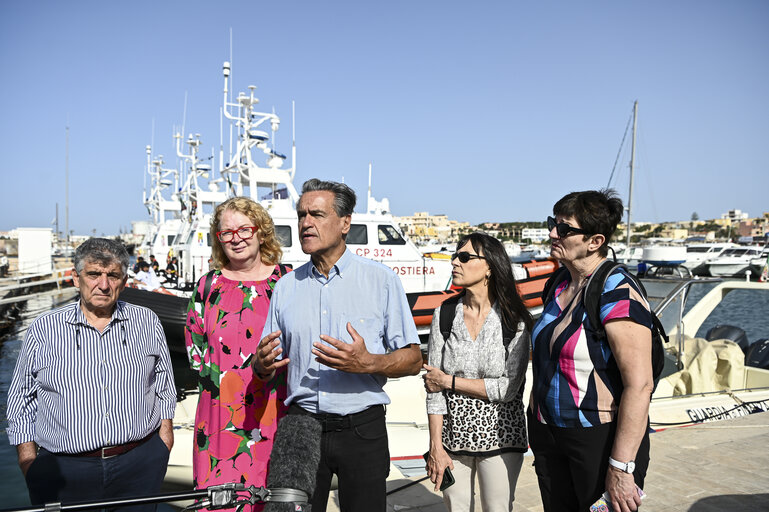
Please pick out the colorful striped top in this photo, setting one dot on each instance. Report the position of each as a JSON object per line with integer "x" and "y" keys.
{"x": 576, "y": 379}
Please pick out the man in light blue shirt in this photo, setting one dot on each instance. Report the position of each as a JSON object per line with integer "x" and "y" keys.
{"x": 342, "y": 325}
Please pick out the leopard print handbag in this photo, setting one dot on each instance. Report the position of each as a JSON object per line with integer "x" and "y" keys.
{"x": 476, "y": 426}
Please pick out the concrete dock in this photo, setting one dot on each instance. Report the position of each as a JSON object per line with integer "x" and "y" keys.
{"x": 719, "y": 466}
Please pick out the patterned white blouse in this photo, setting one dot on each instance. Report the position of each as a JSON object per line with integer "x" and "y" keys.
{"x": 503, "y": 370}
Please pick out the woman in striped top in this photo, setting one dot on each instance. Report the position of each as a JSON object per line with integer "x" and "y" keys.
{"x": 589, "y": 409}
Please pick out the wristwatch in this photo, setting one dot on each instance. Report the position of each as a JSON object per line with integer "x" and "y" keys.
{"x": 627, "y": 467}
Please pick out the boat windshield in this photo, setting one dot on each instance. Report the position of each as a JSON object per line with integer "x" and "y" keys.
{"x": 672, "y": 298}
{"x": 735, "y": 252}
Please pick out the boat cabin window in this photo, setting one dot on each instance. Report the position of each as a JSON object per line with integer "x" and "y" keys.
{"x": 357, "y": 234}
{"x": 283, "y": 234}
{"x": 171, "y": 240}
{"x": 388, "y": 235}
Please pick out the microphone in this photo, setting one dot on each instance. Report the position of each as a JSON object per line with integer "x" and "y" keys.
{"x": 294, "y": 459}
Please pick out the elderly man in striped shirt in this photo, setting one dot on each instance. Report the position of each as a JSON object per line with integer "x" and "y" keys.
{"x": 92, "y": 399}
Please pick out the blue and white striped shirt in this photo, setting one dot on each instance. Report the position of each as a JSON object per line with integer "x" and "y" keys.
{"x": 75, "y": 389}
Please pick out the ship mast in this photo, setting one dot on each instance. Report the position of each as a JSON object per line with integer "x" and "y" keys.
{"x": 632, "y": 170}
{"x": 66, "y": 188}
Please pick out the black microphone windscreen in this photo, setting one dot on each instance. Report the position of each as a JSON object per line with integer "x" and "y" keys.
{"x": 295, "y": 458}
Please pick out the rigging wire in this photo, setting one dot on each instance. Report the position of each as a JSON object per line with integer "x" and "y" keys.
{"x": 619, "y": 151}
{"x": 647, "y": 175}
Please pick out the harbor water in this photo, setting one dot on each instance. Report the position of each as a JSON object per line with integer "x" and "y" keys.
{"x": 754, "y": 320}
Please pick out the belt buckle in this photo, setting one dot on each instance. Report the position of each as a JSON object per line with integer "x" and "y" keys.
{"x": 103, "y": 456}
{"x": 336, "y": 424}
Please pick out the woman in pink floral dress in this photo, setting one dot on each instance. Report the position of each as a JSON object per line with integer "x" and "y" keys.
{"x": 237, "y": 413}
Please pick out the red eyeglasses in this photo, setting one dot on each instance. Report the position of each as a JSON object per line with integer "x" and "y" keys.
{"x": 244, "y": 233}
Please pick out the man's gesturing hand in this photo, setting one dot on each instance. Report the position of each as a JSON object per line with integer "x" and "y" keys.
{"x": 264, "y": 364}
{"x": 349, "y": 357}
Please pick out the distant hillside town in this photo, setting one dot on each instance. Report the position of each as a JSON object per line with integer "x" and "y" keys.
{"x": 425, "y": 229}
{"x": 734, "y": 225}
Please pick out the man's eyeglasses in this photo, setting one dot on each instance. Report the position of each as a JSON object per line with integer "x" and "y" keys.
{"x": 464, "y": 257}
{"x": 562, "y": 229}
{"x": 245, "y": 233}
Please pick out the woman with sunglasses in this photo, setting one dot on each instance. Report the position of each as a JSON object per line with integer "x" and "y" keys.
{"x": 237, "y": 413}
{"x": 475, "y": 377}
{"x": 589, "y": 408}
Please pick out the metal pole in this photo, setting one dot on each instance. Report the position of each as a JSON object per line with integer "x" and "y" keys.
{"x": 66, "y": 188}
{"x": 632, "y": 171}
{"x": 90, "y": 505}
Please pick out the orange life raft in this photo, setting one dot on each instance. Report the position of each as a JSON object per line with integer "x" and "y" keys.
{"x": 530, "y": 289}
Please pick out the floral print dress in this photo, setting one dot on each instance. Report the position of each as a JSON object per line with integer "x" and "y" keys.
{"x": 237, "y": 414}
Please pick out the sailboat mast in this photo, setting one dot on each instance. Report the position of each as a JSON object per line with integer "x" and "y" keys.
{"x": 66, "y": 185}
{"x": 632, "y": 171}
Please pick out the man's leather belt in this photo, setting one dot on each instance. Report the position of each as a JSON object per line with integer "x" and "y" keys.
{"x": 337, "y": 422}
{"x": 108, "y": 452}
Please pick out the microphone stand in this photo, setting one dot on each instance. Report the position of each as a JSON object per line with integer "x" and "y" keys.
{"x": 216, "y": 497}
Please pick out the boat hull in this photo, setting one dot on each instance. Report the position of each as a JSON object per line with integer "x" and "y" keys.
{"x": 170, "y": 309}
{"x": 727, "y": 270}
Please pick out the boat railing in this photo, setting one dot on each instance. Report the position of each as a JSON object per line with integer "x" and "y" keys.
{"x": 668, "y": 298}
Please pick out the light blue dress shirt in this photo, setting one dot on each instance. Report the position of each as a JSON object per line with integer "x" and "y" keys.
{"x": 306, "y": 304}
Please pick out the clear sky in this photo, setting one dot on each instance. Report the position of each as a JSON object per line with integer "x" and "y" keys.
{"x": 484, "y": 111}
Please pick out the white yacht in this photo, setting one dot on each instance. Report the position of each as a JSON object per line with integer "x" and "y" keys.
{"x": 699, "y": 255}
{"x": 734, "y": 261}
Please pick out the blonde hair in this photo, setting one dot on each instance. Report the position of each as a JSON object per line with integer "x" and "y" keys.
{"x": 269, "y": 247}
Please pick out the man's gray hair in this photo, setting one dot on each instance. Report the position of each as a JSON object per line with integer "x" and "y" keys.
{"x": 344, "y": 196}
{"x": 103, "y": 251}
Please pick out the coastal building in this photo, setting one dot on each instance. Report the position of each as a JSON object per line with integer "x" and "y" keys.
{"x": 674, "y": 233}
{"x": 756, "y": 228}
{"x": 422, "y": 227}
{"x": 735, "y": 215}
{"x": 535, "y": 235}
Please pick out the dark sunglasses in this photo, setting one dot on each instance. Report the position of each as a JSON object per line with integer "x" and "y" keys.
{"x": 562, "y": 229}
{"x": 464, "y": 257}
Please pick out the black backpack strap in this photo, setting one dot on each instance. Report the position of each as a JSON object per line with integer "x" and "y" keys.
{"x": 447, "y": 314}
{"x": 549, "y": 289}
{"x": 593, "y": 291}
{"x": 507, "y": 335}
{"x": 446, "y": 319}
{"x": 207, "y": 286}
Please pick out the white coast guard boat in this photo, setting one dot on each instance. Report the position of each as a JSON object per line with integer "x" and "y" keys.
{"x": 182, "y": 221}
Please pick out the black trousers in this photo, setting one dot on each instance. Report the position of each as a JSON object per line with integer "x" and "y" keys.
{"x": 358, "y": 454}
{"x": 571, "y": 463}
{"x": 67, "y": 479}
